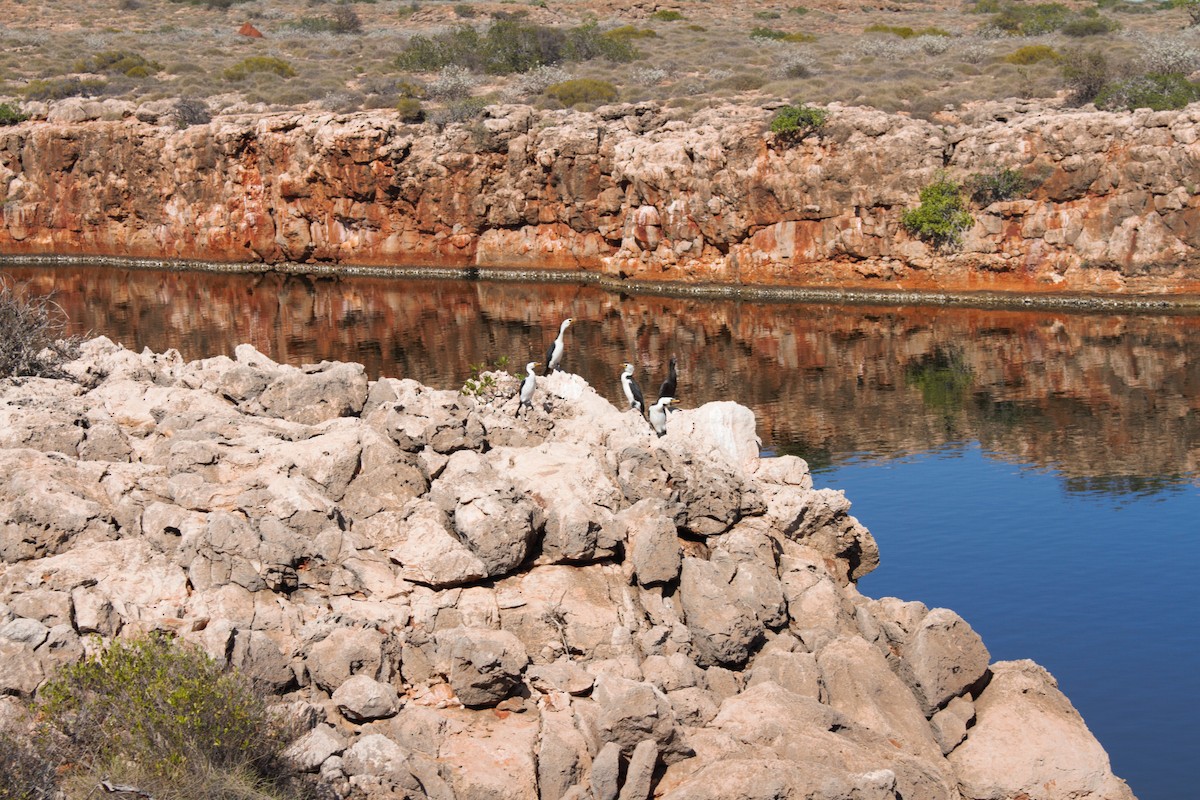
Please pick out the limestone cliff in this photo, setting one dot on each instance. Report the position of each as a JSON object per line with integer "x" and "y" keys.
{"x": 630, "y": 191}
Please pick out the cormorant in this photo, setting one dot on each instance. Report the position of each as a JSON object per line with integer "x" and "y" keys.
{"x": 668, "y": 386}
{"x": 555, "y": 353}
{"x": 527, "y": 387}
{"x": 658, "y": 415}
{"x": 633, "y": 392}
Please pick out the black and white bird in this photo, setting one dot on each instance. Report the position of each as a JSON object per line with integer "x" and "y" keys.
{"x": 555, "y": 353}
{"x": 633, "y": 392}
{"x": 658, "y": 415}
{"x": 527, "y": 387}
{"x": 668, "y": 386}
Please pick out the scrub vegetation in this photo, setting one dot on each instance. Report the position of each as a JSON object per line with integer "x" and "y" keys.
{"x": 33, "y": 334}
{"x": 929, "y": 61}
{"x": 159, "y": 717}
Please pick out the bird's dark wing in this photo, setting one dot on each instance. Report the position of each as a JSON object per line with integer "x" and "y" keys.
{"x": 549, "y": 355}
{"x": 638, "y": 401}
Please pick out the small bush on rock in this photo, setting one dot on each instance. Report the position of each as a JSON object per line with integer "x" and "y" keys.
{"x": 942, "y": 216}
{"x": 409, "y": 109}
{"x": 10, "y": 115}
{"x": 666, "y": 15}
{"x": 999, "y": 184}
{"x": 793, "y": 123}
{"x": 1090, "y": 26}
{"x": 119, "y": 62}
{"x": 60, "y": 88}
{"x": 166, "y": 718}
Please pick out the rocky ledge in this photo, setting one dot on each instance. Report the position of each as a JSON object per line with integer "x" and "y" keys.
{"x": 464, "y": 601}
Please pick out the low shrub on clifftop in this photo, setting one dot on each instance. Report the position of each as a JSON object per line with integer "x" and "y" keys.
{"x": 793, "y": 123}
{"x": 1156, "y": 92}
{"x": 10, "y": 115}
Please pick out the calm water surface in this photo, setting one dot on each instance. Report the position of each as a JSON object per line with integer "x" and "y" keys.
{"x": 1039, "y": 473}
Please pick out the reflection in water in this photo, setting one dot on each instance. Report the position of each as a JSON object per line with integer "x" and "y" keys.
{"x": 1111, "y": 402}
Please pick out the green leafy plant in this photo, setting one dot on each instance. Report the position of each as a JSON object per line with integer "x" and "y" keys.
{"x": 1032, "y": 54}
{"x": 667, "y": 15}
{"x": 511, "y": 45}
{"x": 1090, "y": 26}
{"x": 1018, "y": 19}
{"x": 409, "y": 109}
{"x": 10, "y": 115}
{"x": 793, "y": 123}
{"x": 582, "y": 90}
{"x": 1157, "y": 92}
{"x": 166, "y": 718}
{"x": 995, "y": 185}
{"x": 248, "y": 66}
{"x": 483, "y": 384}
{"x": 942, "y": 216}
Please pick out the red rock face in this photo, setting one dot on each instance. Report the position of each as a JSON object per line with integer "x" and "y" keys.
{"x": 1113, "y": 205}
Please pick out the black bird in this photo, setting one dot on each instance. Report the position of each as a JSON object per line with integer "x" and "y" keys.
{"x": 633, "y": 392}
{"x": 668, "y": 386}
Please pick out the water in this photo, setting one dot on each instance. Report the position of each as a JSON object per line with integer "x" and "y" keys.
{"x": 1039, "y": 473}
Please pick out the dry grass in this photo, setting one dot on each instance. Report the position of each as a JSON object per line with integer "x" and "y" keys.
{"x": 705, "y": 56}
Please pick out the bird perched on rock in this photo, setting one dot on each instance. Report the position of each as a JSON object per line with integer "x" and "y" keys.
{"x": 667, "y": 389}
{"x": 658, "y": 415}
{"x": 633, "y": 392}
{"x": 527, "y": 387}
{"x": 555, "y": 353}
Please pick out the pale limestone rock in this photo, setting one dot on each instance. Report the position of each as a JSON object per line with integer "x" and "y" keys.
{"x": 361, "y": 699}
{"x": 605, "y": 776}
{"x": 344, "y": 652}
{"x": 950, "y": 724}
{"x": 653, "y": 542}
{"x": 724, "y": 632}
{"x": 483, "y": 666}
{"x": 317, "y": 393}
{"x": 1020, "y": 718}
{"x": 945, "y": 657}
{"x": 312, "y": 749}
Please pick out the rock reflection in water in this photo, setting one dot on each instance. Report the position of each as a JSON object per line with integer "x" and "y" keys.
{"x": 1110, "y": 401}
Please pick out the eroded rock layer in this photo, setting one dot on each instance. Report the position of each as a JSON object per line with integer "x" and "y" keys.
{"x": 629, "y": 191}
{"x": 464, "y": 598}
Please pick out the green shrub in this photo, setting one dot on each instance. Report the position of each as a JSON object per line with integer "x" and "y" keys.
{"x": 119, "y": 62}
{"x": 793, "y": 123}
{"x": 409, "y": 109}
{"x": 168, "y": 719}
{"x": 510, "y": 46}
{"x": 10, "y": 115}
{"x": 1085, "y": 74}
{"x": 628, "y": 32}
{"x": 666, "y": 15}
{"x": 767, "y": 14}
{"x": 27, "y": 768}
{"x": 999, "y": 184}
{"x": 800, "y": 10}
{"x": 781, "y": 36}
{"x": 465, "y": 10}
{"x": 1032, "y": 54}
{"x": 582, "y": 90}
{"x": 1090, "y": 26}
{"x": 1157, "y": 92}
{"x": 59, "y": 88}
{"x": 343, "y": 19}
{"x": 942, "y": 216}
{"x": 905, "y": 32}
{"x": 248, "y": 66}
{"x": 1022, "y": 20}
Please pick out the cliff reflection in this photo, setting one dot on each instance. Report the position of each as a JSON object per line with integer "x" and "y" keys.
{"x": 1111, "y": 402}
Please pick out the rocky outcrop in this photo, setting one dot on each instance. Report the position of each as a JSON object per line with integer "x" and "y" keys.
{"x": 470, "y": 603}
{"x": 630, "y": 191}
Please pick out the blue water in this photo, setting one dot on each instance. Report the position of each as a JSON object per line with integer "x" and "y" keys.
{"x": 1102, "y": 590}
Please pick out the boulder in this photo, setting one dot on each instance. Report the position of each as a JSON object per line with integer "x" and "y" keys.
{"x": 1020, "y": 717}
{"x": 361, "y": 699}
{"x": 483, "y": 666}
